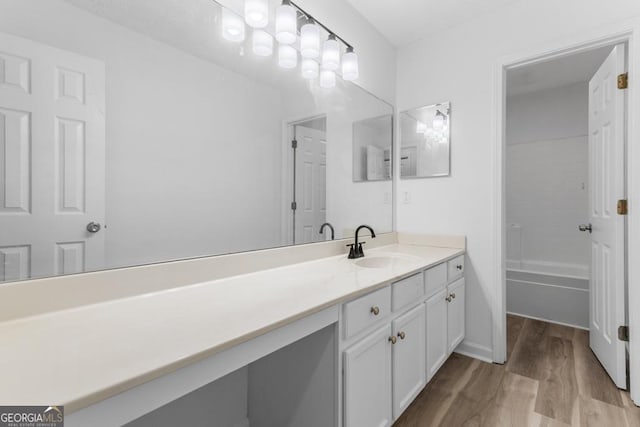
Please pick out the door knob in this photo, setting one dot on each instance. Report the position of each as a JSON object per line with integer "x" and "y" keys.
{"x": 585, "y": 227}
{"x": 93, "y": 227}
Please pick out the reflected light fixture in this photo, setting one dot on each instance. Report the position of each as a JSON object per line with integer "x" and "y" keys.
{"x": 256, "y": 13}
{"x": 286, "y": 23}
{"x": 310, "y": 40}
{"x": 421, "y": 127}
{"x": 310, "y": 68}
{"x": 331, "y": 53}
{"x": 262, "y": 43}
{"x": 327, "y": 79}
{"x": 232, "y": 26}
{"x": 438, "y": 120}
{"x": 287, "y": 56}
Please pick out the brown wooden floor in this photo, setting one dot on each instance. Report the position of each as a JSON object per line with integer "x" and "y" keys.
{"x": 551, "y": 378}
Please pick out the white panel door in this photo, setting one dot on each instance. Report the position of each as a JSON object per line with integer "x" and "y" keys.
{"x": 367, "y": 381}
{"x": 409, "y": 360}
{"x": 606, "y": 184}
{"x": 311, "y": 185}
{"x": 437, "y": 353}
{"x": 52, "y": 142}
{"x": 455, "y": 314}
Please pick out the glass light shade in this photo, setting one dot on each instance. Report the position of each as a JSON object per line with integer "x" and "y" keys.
{"x": 331, "y": 54}
{"x": 287, "y": 56}
{"x": 262, "y": 43}
{"x": 286, "y": 24}
{"x": 421, "y": 127}
{"x": 310, "y": 41}
{"x": 232, "y": 26}
{"x": 256, "y": 13}
{"x": 350, "y": 65}
{"x": 438, "y": 122}
{"x": 327, "y": 79}
{"x": 309, "y": 68}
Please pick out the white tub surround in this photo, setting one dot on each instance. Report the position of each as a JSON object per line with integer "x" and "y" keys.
{"x": 81, "y": 353}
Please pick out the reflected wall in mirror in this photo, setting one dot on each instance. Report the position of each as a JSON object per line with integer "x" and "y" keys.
{"x": 133, "y": 133}
{"x": 425, "y": 142}
{"x": 372, "y": 149}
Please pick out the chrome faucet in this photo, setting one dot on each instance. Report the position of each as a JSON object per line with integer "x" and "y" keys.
{"x": 326, "y": 224}
{"x": 356, "y": 247}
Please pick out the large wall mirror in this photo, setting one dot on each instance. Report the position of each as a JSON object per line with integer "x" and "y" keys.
{"x": 131, "y": 132}
{"x": 425, "y": 143}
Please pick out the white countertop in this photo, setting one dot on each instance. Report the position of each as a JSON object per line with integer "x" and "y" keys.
{"x": 78, "y": 356}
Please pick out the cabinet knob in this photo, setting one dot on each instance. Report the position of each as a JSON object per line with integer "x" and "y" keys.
{"x": 448, "y": 299}
{"x": 375, "y": 310}
{"x": 402, "y": 335}
{"x": 393, "y": 339}
{"x": 459, "y": 267}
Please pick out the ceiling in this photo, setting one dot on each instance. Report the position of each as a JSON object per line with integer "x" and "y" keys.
{"x": 405, "y": 21}
{"x": 555, "y": 73}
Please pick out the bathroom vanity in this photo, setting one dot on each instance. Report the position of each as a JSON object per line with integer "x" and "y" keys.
{"x": 324, "y": 339}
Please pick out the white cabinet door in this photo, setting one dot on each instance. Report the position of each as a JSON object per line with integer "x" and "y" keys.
{"x": 367, "y": 381}
{"x": 455, "y": 315}
{"x": 436, "y": 334}
{"x": 409, "y": 362}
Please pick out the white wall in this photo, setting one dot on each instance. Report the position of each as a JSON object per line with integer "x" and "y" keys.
{"x": 459, "y": 65}
{"x": 181, "y": 163}
{"x": 547, "y": 174}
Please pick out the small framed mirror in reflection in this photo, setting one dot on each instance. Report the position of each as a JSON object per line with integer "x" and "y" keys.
{"x": 425, "y": 141}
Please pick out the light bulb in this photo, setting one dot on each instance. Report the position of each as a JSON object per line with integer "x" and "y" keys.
{"x": 287, "y": 56}
{"x": 350, "y": 65}
{"x": 256, "y": 13}
{"x": 310, "y": 40}
{"x": 262, "y": 43}
{"x": 331, "y": 54}
{"x": 421, "y": 127}
{"x": 309, "y": 68}
{"x": 327, "y": 79}
{"x": 286, "y": 23}
{"x": 232, "y": 26}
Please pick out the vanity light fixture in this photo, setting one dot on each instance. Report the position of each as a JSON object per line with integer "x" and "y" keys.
{"x": 310, "y": 40}
{"x": 286, "y": 23}
{"x": 331, "y": 53}
{"x": 310, "y": 68}
{"x": 287, "y": 56}
{"x": 262, "y": 43}
{"x": 256, "y": 13}
{"x": 438, "y": 120}
{"x": 350, "y": 65}
{"x": 232, "y": 26}
{"x": 318, "y": 59}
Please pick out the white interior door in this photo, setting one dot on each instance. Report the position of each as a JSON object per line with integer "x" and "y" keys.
{"x": 52, "y": 143}
{"x": 311, "y": 185}
{"x": 606, "y": 177}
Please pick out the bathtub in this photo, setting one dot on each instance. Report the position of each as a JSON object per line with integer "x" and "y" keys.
{"x": 557, "y": 293}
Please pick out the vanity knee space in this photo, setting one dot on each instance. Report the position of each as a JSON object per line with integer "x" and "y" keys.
{"x": 388, "y": 359}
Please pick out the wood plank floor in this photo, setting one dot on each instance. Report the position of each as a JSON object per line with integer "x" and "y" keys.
{"x": 551, "y": 378}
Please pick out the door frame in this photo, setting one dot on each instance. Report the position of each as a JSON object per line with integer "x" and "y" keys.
{"x": 286, "y": 217}
{"x": 627, "y": 32}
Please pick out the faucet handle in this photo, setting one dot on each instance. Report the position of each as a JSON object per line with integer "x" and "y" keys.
{"x": 352, "y": 251}
{"x": 360, "y": 252}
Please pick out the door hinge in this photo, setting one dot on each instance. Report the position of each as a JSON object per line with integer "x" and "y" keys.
{"x": 622, "y": 207}
{"x": 623, "y": 81}
{"x": 623, "y": 333}
{"x": 294, "y": 144}
{"x": 294, "y": 206}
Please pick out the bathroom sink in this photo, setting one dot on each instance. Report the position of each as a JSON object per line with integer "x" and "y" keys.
{"x": 384, "y": 261}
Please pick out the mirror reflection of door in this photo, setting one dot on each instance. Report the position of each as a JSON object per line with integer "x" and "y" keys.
{"x": 52, "y": 148}
{"x": 310, "y": 181}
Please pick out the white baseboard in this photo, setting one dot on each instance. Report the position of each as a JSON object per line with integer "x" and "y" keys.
{"x": 475, "y": 351}
{"x": 548, "y": 321}
{"x": 243, "y": 423}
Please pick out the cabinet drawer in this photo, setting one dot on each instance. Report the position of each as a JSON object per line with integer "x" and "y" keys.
{"x": 456, "y": 268}
{"x": 435, "y": 278}
{"x": 366, "y": 310}
{"x": 406, "y": 291}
